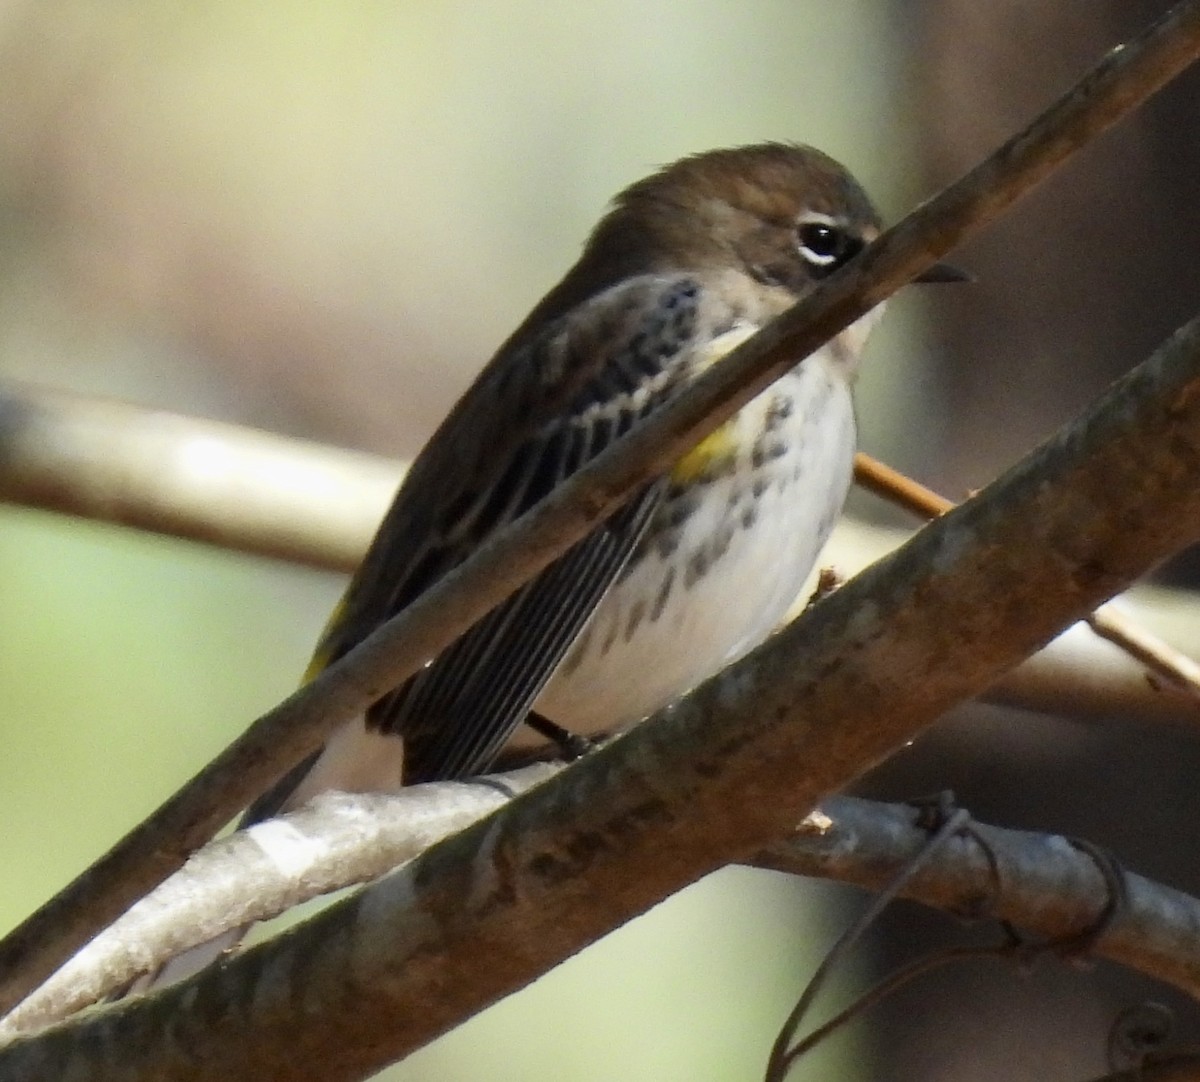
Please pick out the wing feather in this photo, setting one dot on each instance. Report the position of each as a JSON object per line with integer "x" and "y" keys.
{"x": 587, "y": 380}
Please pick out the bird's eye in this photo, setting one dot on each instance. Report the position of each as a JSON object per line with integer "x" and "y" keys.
{"x": 823, "y": 243}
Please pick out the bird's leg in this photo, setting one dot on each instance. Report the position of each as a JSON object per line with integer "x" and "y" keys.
{"x": 572, "y": 745}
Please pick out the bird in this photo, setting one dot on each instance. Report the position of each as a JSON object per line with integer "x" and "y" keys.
{"x": 699, "y": 566}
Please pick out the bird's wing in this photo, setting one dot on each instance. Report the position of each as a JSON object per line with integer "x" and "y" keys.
{"x": 539, "y": 411}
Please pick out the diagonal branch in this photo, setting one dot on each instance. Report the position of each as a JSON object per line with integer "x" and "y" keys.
{"x": 726, "y": 772}
{"x": 1040, "y": 883}
{"x": 1108, "y": 622}
{"x": 280, "y": 738}
{"x": 337, "y": 840}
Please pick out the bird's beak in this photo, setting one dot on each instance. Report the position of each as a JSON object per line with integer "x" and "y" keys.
{"x": 944, "y": 272}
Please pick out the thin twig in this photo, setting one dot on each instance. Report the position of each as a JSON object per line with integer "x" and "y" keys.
{"x": 1159, "y": 657}
{"x": 883, "y": 989}
{"x": 898, "y": 488}
{"x": 782, "y": 1057}
{"x": 283, "y": 736}
{"x": 1112, "y": 625}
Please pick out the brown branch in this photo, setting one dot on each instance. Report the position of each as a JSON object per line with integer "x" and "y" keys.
{"x": 283, "y": 736}
{"x": 1158, "y": 656}
{"x": 1078, "y": 673}
{"x": 185, "y": 477}
{"x": 1040, "y": 883}
{"x": 724, "y": 773}
{"x": 898, "y": 488}
{"x": 252, "y": 491}
{"x": 272, "y": 495}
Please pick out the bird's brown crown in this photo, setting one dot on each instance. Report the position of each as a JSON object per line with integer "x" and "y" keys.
{"x": 785, "y": 214}
{"x": 699, "y": 208}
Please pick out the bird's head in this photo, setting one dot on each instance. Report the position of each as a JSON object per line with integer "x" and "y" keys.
{"x": 786, "y": 215}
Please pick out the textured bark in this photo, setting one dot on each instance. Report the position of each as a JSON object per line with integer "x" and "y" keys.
{"x": 1041, "y": 883}
{"x": 722, "y": 775}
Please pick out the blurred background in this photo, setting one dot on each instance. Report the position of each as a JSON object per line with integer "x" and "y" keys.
{"x": 321, "y": 217}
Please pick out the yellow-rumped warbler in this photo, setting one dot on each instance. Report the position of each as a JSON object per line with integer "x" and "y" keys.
{"x": 697, "y": 568}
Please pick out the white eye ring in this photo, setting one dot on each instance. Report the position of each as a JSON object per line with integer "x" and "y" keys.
{"x": 820, "y": 238}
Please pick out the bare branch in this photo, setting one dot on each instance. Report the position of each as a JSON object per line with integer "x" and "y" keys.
{"x": 335, "y": 841}
{"x": 721, "y": 774}
{"x": 1078, "y": 672}
{"x": 207, "y": 481}
{"x": 1041, "y": 883}
{"x": 257, "y": 492}
{"x": 283, "y": 736}
{"x": 272, "y": 495}
{"x": 1108, "y": 621}
{"x": 1160, "y": 658}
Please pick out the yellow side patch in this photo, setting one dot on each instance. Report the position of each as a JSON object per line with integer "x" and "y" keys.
{"x": 709, "y": 457}
{"x": 717, "y": 450}
{"x": 320, "y": 656}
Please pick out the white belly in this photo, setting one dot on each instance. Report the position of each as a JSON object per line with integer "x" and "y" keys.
{"x": 665, "y": 627}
